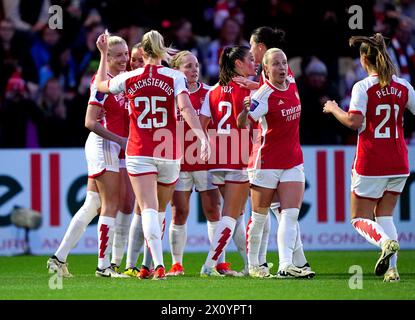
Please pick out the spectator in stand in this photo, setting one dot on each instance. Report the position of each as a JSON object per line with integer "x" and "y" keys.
{"x": 62, "y": 67}
{"x": 55, "y": 129}
{"x": 85, "y": 50}
{"x": 71, "y": 17}
{"x": 403, "y": 57}
{"x": 44, "y": 48}
{"x": 29, "y": 16}
{"x": 20, "y": 118}
{"x": 14, "y": 55}
{"x": 315, "y": 89}
{"x": 8, "y": 52}
{"x": 401, "y": 51}
{"x": 230, "y": 35}
{"x": 225, "y": 9}
{"x": 180, "y": 36}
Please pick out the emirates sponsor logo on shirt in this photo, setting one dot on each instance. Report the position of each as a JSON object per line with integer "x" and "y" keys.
{"x": 120, "y": 98}
{"x": 292, "y": 113}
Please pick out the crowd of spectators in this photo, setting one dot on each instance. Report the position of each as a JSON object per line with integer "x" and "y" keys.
{"x": 45, "y": 73}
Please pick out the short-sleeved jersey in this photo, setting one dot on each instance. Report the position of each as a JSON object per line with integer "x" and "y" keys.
{"x": 231, "y": 145}
{"x": 190, "y": 160}
{"x": 381, "y": 148}
{"x": 116, "y": 109}
{"x": 277, "y": 146}
{"x": 151, "y": 92}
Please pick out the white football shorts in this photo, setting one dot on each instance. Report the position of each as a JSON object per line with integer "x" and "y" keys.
{"x": 270, "y": 178}
{"x": 375, "y": 187}
{"x": 220, "y": 177}
{"x": 101, "y": 155}
{"x": 201, "y": 180}
{"x": 167, "y": 170}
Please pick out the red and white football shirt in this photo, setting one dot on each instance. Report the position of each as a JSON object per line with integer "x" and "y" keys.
{"x": 231, "y": 145}
{"x": 151, "y": 92}
{"x": 381, "y": 148}
{"x": 191, "y": 161}
{"x": 277, "y": 146}
{"x": 116, "y": 109}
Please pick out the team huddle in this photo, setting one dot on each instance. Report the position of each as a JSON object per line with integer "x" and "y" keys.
{"x": 158, "y": 133}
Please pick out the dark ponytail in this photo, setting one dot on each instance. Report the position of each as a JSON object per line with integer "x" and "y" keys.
{"x": 227, "y": 62}
{"x": 376, "y": 53}
{"x": 271, "y": 38}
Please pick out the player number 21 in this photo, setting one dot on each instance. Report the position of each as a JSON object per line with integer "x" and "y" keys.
{"x": 382, "y": 131}
{"x": 150, "y": 106}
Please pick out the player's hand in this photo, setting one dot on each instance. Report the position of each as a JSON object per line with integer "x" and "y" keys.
{"x": 246, "y": 83}
{"x": 330, "y": 106}
{"x": 205, "y": 149}
{"x": 247, "y": 102}
{"x": 102, "y": 43}
{"x": 123, "y": 143}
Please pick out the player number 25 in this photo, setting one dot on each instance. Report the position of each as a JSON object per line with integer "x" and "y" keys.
{"x": 150, "y": 106}
{"x": 382, "y": 131}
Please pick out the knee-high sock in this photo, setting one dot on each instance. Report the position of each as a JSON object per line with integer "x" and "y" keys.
{"x": 370, "y": 230}
{"x": 147, "y": 258}
{"x": 287, "y": 234}
{"x": 105, "y": 239}
{"x": 221, "y": 239}
{"x": 262, "y": 254}
{"x": 299, "y": 258}
{"x": 239, "y": 237}
{"x": 153, "y": 234}
{"x": 211, "y": 226}
{"x": 162, "y": 222}
{"x": 122, "y": 225}
{"x": 78, "y": 224}
{"x": 135, "y": 241}
{"x": 390, "y": 229}
{"x": 177, "y": 240}
{"x": 254, "y": 234}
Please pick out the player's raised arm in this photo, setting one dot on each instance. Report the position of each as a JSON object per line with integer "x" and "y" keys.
{"x": 100, "y": 79}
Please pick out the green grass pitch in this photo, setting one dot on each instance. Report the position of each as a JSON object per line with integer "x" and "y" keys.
{"x": 26, "y": 278}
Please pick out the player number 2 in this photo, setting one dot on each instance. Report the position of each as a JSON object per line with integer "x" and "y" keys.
{"x": 382, "y": 131}
{"x": 150, "y": 106}
{"x": 227, "y": 128}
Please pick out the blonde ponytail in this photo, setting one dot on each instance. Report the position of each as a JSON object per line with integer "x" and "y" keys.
{"x": 153, "y": 45}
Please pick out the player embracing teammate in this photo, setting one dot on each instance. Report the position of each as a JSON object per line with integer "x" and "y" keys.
{"x": 152, "y": 155}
